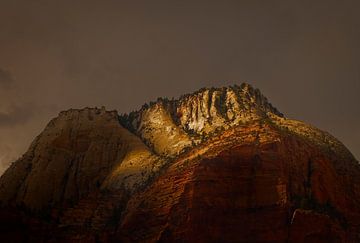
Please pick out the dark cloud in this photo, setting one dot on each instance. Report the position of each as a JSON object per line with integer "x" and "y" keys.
{"x": 6, "y": 79}
{"x": 17, "y": 115}
{"x": 7, "y": 155}
{"x": 16, "y": 108}
{"x": 303, "y": 55}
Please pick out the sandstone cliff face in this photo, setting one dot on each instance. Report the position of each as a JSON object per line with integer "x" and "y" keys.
{"x": 79, "y": 152}
{"x": 156, "y": 126}
{"x": 252, "y": 184}
{"x": 212, "y": 109}
{"x": 170, "y": 126}
{"x": 218, "y": 165}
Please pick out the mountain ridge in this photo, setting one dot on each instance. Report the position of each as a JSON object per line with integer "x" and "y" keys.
{"x": 94, "y": 174}
{"x": 251, "y": 101}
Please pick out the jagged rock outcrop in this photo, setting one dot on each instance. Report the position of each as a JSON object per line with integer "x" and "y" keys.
{"x": 211, "y": 109}
{"x": 169, "y": 126}
{"x": 218, "y": 165}
{"x": 157, "y": 128}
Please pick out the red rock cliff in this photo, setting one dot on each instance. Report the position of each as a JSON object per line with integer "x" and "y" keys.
{"x": 219, "y": 165}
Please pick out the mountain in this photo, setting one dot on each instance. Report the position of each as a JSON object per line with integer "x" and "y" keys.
{"x": 217, "y": 165}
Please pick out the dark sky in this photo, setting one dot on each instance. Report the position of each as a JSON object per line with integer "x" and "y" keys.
{"x": 54, "y": 55}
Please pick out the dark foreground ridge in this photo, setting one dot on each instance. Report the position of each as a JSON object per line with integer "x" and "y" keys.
{"x": 217, "y": 165}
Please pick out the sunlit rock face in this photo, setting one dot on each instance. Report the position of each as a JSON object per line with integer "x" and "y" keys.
{"x": 78, "y": 152}
{"x": 212, "y": 109}
{"x": 217, "y": 165}
{"x": 157, "y": 128}
{"x": 169, "y": 126}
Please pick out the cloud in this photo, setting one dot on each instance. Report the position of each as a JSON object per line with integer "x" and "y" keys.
{"x": 16, "y": 107}
{"x": 7, "y": 156}
{"x": 13, "y": 109}
{"x": 16, "y": 115}
{"x": 6, "y": 79}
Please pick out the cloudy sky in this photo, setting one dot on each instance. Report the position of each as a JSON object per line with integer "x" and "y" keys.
{"x": 54, "y": 55}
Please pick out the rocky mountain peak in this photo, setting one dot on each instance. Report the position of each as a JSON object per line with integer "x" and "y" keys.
{"x": 221, "y": 154}
{"x": 89, "y": 113}
{"x": 244, "y": 97}
{"x": 217, "y": 108}
{"x": 209, "y": 107}
{"x": 169, "y": 126}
